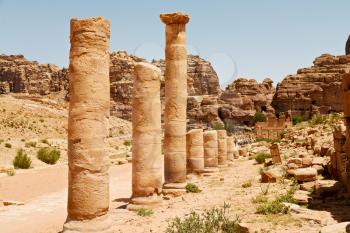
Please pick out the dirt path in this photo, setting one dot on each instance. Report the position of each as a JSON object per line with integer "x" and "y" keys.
{"x": 45, "y": 194}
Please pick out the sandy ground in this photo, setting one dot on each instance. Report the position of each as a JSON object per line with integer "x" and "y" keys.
{"x": 44, "y": 192}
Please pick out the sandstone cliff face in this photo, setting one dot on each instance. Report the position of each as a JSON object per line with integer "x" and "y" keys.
{"x": 242, "y": 98}
{"x": 19, "y": 75}
{"x": 316, "y": 89}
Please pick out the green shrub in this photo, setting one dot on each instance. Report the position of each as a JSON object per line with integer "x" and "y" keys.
{"x": 8, "y": 145}
{"x": 144, "y": 212}
{"x": 297, "y": 119}
{"x": 316, "y": 120}
{"x": 247, "y": 184}
{"x": 218, "y": 126}
{"x": 276, "y": 206}
{"x": 260, "y": 199}
{"x": 261, "y": 157}
{"x": 192, "y": 188}
{"x": 22, "y": 160}
{"x": 127, "y": 143}
{"x": 259, "y": 117}
{"x": 48, "y": 155}
{"x": 214, "y": 220}
{"x": 10, "y": 172}
{"x": 30, "y": 144}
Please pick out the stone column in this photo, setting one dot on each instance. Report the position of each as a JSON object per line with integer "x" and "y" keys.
{"x": 195, "y": 152}
{"x": 210, "y": 139}
{"x": 175, "y": 103}
{"x": 275, "y": 153}
{"x": 147, "y": 169}
{"x": 230, "y": 148}
{"x": 222, "y": 147}
{"x": 88, "y": 184}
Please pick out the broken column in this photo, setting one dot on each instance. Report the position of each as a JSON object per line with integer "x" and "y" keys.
{"x": 222, "y": 148}
{"x": 275, "y": 153}
{"x": 147, "y": 166}
{"x": 175, "y": 103}
{"x": 88, "y": 183}
{"x": 195, "y": 152}
{"x": 346, "y": 110}
{"x": 340, "y": 158}
{"x": 230, "y": 148}
{"x": 210, "y": 144}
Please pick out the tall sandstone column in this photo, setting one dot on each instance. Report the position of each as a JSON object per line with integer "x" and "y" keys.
{"x": 195, "y": 152}
{"x": 222, "y": 147}
{"x": 88, "y": 190}
{"x": 147, "y": 166}
{"x": 175, "y": 103}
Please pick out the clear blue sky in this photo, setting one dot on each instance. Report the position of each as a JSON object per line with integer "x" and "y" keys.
{"x": 256, "y": 39}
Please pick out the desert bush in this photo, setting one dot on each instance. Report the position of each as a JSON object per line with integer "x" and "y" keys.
{"x": 49, "y": 155}
{"x": 22, "y": 160}
{"x": 127, "y": 143}
{"x": 30, "y": 144}
{"x": 297, "y": 119}
{"x": 276, "y": 206}
{"x": 247, "y": 184}
{"x": 8, "y": 145}
{"x": 214, "y": 220}
{"x": 192, "y": 188}
{"x": 218, "y": 126}
{"x": 259, "y": 117}
{"x": 10, "y": 172}
{"x": 144, "y": 212}
{"x": 317, "y": 119}
{"x": 261, "y": 157}
{"x": 260, "y": 199}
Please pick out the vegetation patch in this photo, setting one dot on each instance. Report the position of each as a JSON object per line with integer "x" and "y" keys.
{"x": 22, "y": 160}
{"x": 127, "y": 143}
{"x": 8, "y": 145}
{"x": 214, "y": 220}
{"x": 218, "y": 126}
{"x": 247, "y": 184}
{"x": 144, "y": 212}
{"x": 30, "y": 144}
{"x": 49, "y": 155}
{"x": 259, "y": 117}
{"x": 276, "y": 206}
{"x": 298, "y": 119}
{"x": 261, "y": 157}
{"x": 192, "y": 188}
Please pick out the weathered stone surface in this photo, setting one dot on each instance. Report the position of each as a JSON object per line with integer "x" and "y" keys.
{"x": 275, "y": 153}
{"x": 210, "y": 139}
{"x": 146, "y": 133}
{"x": 305, "y": 174}
{"x": 175, "y": 99}
{"x": 88, "y": 189}
{"x": 19, "y": 75}
{"x": 222, "y": 147}
{"x": 316, "y": 89}
{"x": 343, "y": 227}
{"x": 195, "y": 151}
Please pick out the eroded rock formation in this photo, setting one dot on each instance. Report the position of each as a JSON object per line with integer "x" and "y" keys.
{"x": 17, "y": 74}
{"x": 316, "y": 89}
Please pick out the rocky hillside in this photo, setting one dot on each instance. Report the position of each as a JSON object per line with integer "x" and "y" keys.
{"x": 316, "y": 89}
{"x": 17, "y": 74}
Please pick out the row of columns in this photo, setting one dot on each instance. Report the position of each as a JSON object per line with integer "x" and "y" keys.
{"x": 195, "y": 151}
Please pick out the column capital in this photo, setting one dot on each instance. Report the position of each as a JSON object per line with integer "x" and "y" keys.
{"x": 175, "y": 18}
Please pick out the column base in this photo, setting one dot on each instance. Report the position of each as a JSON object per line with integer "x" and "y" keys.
{"x": 150, "y": 202}
{"x": 222, "y": 165}
{"x": 174, "y": 189}
{"x": 101, "y": 224}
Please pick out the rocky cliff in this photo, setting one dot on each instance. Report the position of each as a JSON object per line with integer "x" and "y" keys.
{"x": 316, "y": 89}
{"x": 19, "y": 75}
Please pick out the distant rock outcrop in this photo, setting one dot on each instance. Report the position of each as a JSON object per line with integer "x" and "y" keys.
{"x": 347, "y": 46}
{"x": 19, "y": 75}
{"x": 242, "y": 98}
{"x": 316, "y": 89}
